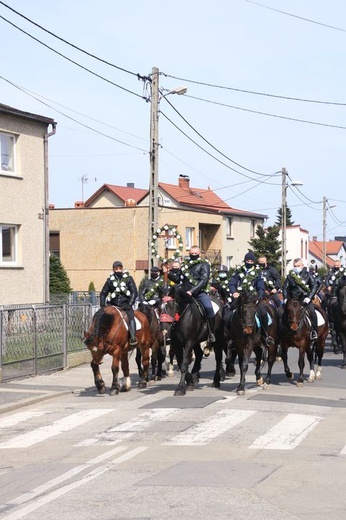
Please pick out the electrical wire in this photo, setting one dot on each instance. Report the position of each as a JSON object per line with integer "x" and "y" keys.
{"x": 72, "y": 119}
{"x": 70, "y": 60}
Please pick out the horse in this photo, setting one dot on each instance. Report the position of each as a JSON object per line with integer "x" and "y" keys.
{"x": 295, "y": 328}
{"x": 244, "y": 336}
{"x": 158, "y": 352}
{"x": 188, "y": 331}
{"x": 108, "y": 334}
{"x": 167, "y": 318}
{"x": 339, "y": 320}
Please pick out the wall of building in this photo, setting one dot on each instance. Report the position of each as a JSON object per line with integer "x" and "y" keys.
{"x": 22, "y": 199}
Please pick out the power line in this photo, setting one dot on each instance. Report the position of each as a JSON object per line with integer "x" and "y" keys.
{"x": 70, "y": 60}
{"x": 296, "y": 16}
{"x": 67, "y": 42}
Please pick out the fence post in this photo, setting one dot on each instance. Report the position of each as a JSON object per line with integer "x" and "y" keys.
{"x": 1, "y": 336}
{"x": 64, "y": 333}
{"x": 35, "y": 338}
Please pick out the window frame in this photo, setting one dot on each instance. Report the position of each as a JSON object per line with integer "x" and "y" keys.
{"x": 189, "y": 237}
{"x": 12, "y": 154}
{"x": 13, "y": 230}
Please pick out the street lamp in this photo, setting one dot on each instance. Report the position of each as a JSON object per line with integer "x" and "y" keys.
{"x": 324, "y": 240}
{"x": 284, "y": 175}
{"x": 156, "y": 96}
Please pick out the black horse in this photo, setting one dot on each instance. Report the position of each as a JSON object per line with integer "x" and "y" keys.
{"x": 187, "y": 333}
{"x": 245, "y": 336}
{"x": 339, "y": 320}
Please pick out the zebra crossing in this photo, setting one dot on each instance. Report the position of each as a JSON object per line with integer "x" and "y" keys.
{"x": 287, "y": 433}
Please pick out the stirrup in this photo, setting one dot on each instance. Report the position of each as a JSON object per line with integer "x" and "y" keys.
{"x": 211, "y": 338}
{"x": 133, "y": 342}
{"x": 270, "y": 341}
{"x": 313, "y": 335}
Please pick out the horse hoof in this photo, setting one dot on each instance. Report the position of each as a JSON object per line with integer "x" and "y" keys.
{"x": 179, "y": 392}
{"x": 142, "y": 384}
{"x": 266, "y": 386}
{"x": 171, "y": 374}
{"x": 260, "y": 381}
{"x": 240, "y": 392}
{"x": 216, "y": 384}
{"x": 311, "y": 379}
{"x": 114, "y": 391}
{"x": 300, "y": 383}
{"x": 343, "y": 365}
{"x": 102, "y": 390}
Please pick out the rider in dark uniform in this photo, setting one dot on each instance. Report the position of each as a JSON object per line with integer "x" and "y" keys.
{"x": 334, "y": 275}
{"x": 120, "y": 290}
{"x": 301, "y": 285}
{"x": 251, "y": 273}
{"x": 193, "y": 278}
{"x": 219, "y": 284}
{"x": 151, "y": 290}
{"x": 272, "y": 280}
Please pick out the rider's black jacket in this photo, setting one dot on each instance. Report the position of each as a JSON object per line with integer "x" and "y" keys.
{"x": 199, "y": 273}
{"x": 109, "y": 295}
{"x": 270, "y": 274}
{"x": 333, "y": 279}
{"x": 151, "y": 289}
{"x": 307, "y": 289}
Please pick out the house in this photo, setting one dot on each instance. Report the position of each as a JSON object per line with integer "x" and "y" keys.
{"x": 24, "y": 227}
{"x": 335, "y": 250}
{"x": 114, "y": 224}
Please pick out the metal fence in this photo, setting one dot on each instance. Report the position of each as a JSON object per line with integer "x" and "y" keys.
{"x": 38, "y": 338}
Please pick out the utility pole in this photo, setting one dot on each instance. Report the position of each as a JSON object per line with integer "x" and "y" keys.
{"x": 324, "y": 228}
{"x": 283, "y": 221}
{"x": 154, "y": 162}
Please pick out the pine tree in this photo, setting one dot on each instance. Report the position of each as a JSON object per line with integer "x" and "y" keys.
{"x": 59, "y": 282}
{"x": 267, "y": 244}
{"x": 289, "y": 221}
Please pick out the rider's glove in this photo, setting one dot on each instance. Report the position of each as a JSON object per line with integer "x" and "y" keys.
{"x": 307, "y": 301}
{"x": 152, "y": 302}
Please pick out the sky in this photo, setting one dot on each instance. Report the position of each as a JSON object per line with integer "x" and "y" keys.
{"x": 265, "y": 91}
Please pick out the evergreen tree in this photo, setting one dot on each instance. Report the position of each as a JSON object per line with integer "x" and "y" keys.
{"x": 59, "y": 282}
{"x": 289, "y": 221}
{"x": 267, "y": 244}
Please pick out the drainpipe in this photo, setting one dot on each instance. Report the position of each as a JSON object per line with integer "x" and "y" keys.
{"x": 46, "y": 217}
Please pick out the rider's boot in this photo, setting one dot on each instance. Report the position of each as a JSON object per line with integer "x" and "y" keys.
{"x": 211, "y": 327}
{"x": 132, "y": 331}
{"x": 313, "y": 333}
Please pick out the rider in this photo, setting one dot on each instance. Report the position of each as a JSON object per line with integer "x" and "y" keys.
{"x": 301, "y": 285}
{"x": 151, "y": 289}
{"x": 248, "y": 276}
{"x": 272, "y": 280}
{"x": 219, "y": 283}
{"x": 334, "y": 276}
{"x": 193, "y": 278}
{"x": 120, "y": 290}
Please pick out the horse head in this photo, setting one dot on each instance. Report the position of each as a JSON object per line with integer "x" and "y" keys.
{"x": 246, "y": 308}
{"x": 294, "y": 313}
{"x": 95, "y": 337}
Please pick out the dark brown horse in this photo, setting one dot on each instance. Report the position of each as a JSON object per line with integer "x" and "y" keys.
{"x": 108, "y": 334}
{"x": 245, "y": 337}
{"x": 295, "y": 328}
{"x": 339, "y": 321}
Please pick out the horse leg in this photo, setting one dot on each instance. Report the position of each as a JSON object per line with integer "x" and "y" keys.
{"x": 183, "y": 363}
{"x": 258, "y": 354}
{"x": 272, "y": 356}
{"x": 230, "y": 360}
{"x": 343, "y": 348}
{"x": 115, "y": 388}
{"x": 218, "y": 369}
{"x": 196, "y": 366}
{"x": 301, "y": 365}
{"x": 145, "y": 351}
{"x": 243, "y": 366}
{"x": 161, "y": 356}
{"x": 311, "y": 359}
{"x": 138, "y": 360}
{"x": 99, "y": 382}
{"x": 284, "y": 357}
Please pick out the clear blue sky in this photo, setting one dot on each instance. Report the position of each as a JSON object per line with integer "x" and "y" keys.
{"x": 238, "y": 45}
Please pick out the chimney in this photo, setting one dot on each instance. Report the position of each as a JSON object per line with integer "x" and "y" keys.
{"x": 51, "y": 206}
{"x": 130, "y": 185}
{"x": 314, "y": 239}
{"x": 184, "y": 182}
{"x": 79, "y": 204}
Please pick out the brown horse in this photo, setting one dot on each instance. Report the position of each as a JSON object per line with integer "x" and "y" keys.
{"x": 108, "y": 334}
{"x": 245, "y": 337}
{"x": 295, "y": 328}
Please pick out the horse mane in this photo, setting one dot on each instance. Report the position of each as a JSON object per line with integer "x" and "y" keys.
{"x": 103, "y": 321}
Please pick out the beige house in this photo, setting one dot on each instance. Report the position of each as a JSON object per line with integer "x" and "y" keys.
{"x": 24, "y": 227}
{"x": 113, "y": 225}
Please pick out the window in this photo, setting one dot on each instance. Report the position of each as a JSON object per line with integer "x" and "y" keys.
{"x": 229, "y": 227}
{"x": 54, "y": 243}
{"x": 7, "y": 153}
{"x": 189, "y": 234}
{"x": 252, "y": 228}
{"x": 8, "y": 244}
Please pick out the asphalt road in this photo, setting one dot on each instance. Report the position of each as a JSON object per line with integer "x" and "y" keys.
{"x": 277, "y": 453}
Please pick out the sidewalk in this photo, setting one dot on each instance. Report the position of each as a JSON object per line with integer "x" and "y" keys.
{"x": 21, "y": 392}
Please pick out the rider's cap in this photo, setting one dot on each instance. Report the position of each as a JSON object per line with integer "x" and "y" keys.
{"x": 154, "y": 269}
{"x": 222, "y": 268}
{"x": 249, "y": 256}
{"x": 117, "y": 263}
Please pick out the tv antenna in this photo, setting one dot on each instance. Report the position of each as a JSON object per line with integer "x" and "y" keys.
{"x": 84, "y": 180}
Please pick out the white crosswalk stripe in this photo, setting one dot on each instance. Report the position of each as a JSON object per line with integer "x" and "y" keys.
{"x": 128, "y": 429}
{"x": 65, "y": 424}
{"x": 211, "y": 428}
{"x": 288, "y": 433}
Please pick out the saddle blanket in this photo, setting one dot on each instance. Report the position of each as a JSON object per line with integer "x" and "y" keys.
{"x": 258, "y": 323}
{"x": 137, "y": 322}
{"x": 320, "y": 319}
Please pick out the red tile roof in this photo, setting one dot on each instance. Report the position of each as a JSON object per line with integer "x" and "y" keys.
{"x": 123, "y": 192}
{"x": 332, "y": 248}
